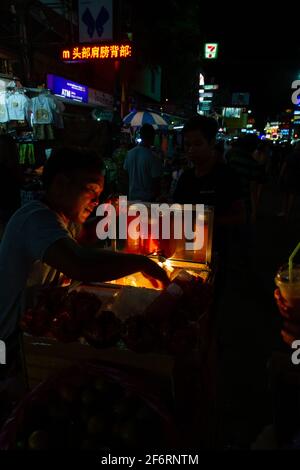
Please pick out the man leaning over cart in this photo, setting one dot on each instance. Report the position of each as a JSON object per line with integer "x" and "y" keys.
{"x": 39, "y": 246}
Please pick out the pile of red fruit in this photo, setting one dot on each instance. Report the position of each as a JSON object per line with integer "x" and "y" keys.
{"x": 69, "y": 316}
{"x": 165, "y": 327}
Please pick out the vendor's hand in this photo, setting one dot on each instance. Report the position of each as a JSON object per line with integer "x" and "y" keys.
{"x": 154, "y": 273}
{"x": 154, "y": 282}
{"x": 291, "y": 319}
{"x": 282, "y": 305}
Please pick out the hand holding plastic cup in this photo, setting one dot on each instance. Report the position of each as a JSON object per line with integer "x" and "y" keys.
{"x": 289, "y": 308}
{"x": 288, "y": 282}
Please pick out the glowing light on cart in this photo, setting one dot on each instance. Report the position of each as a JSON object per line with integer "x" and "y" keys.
{"x": 170, "y": 254}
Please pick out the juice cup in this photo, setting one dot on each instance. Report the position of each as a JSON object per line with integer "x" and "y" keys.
{"x": 289, "y": 288}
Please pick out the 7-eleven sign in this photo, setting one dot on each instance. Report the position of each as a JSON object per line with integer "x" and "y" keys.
{"x": 211, "y": 50}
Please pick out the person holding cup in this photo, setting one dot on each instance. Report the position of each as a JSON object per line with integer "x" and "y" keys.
{"x": 287, "y": 296}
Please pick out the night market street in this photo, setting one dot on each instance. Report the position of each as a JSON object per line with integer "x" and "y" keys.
{"x": 149, "y": 229}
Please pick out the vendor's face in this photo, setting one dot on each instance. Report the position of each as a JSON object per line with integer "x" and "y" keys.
{"x": 81, "y": 196}
{"x": 198, "y": 149}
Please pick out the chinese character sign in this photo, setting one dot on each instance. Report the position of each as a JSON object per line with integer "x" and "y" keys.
{"x": 95, "y": 18}
{"x": 96, "y": 52}
{"x": 211, "y": 50}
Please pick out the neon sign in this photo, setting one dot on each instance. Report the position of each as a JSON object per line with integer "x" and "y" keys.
{"x": 95, "y": 52}
{"x": 67, "y": 89}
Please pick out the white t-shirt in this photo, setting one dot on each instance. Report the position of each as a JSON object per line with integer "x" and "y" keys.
{"x": 29, "y": 233}
{"x": 42, "y": 108}
{"x": 142, "y": 165}
{"x": 17, "y": 104}
{"x": 3, "y": 108}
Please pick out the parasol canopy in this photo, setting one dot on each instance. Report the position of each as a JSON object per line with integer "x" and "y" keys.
{"x": 139, "y": 118}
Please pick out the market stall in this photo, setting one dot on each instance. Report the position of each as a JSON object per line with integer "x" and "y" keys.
{"x": 42, "y": 118}
{"x": 131, "y": 323}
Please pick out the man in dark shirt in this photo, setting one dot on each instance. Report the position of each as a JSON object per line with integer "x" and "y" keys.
{"x": 211, "y": 182}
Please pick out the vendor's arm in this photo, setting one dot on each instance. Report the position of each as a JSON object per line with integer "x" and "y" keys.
{"x": 94, "y": 265}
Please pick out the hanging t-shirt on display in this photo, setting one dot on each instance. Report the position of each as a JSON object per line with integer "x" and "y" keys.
{"x": 3, "y": 108}
{"x": 42, "y": 108}
{"x": 17, "y": 105}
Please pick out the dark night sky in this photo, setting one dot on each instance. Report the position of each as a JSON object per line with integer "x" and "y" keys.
{"x": 259, "y": 53}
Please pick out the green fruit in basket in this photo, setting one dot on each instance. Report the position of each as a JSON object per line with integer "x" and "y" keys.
{"x": 96, "y": 425}
{"x": 21, "y": 445}
{"x": 38, "y": 440}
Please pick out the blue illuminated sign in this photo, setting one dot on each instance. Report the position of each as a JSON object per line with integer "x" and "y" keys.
{"x": 67, "y": 89}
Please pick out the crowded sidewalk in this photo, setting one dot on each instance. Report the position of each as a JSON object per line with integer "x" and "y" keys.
{"x": 249, "y": 323}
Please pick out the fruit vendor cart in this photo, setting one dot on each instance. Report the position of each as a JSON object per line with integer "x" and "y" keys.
{"x": 135, "y": 325}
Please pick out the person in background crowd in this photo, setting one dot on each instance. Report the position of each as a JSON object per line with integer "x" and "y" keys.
{"x": 119, "y": 156}
{"x": 262, "y": 155}
{"x": 144, "y": 168}
{"x": 219, "y": 151}
{"x": 110, "y": 176}
{"x": 289, "y": 180}
{"x": 240, "y": 159}
{"x": 179, "y": 165}
{"x": 278, "y": 156}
